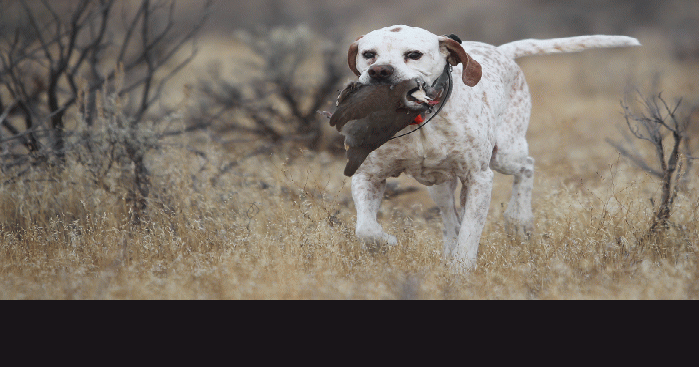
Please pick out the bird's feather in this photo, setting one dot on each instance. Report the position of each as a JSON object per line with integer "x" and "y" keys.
{"x": 370, "y": 115}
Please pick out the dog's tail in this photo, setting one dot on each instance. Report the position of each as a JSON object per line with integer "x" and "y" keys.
{"x": 530, "y": 47}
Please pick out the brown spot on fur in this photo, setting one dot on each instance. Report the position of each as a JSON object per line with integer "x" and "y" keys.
{"x": 485, "y": 99}
{"x": 396, "y": 29}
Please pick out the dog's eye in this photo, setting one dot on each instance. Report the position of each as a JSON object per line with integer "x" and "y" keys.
{"x": 413, "y": 55}
{"x": 369, "y": 54}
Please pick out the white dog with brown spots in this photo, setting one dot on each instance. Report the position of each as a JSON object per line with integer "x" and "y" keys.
{"x": 480, "y": 128}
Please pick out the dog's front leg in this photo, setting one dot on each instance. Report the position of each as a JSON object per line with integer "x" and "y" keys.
{"x": 367, "y": 193}
{"x": 475, "y": 202}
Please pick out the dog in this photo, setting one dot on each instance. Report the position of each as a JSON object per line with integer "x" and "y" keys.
{"x": 480, "y": 129}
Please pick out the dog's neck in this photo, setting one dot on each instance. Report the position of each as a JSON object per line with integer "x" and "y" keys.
{"x": 444, "y": 79}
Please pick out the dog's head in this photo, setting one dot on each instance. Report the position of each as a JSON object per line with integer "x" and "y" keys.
{"x": 397, "y": 53}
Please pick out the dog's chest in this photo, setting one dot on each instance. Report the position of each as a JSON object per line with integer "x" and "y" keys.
{"x": 430, "y": 155}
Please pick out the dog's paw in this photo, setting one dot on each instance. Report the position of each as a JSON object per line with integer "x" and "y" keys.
{"x": 383, "y": 239}
{"x": 519, "y": 226}
{"x": 461, "y": 266}
{"x": 519, "y": 230}
{"x": 376, "y": 237}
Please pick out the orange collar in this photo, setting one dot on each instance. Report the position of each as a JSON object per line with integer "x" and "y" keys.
{"x": 418, "y": 120}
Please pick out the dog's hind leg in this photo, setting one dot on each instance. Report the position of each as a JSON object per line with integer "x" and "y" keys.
{"x": 476, "y": 193}
{"x": 511, "y": 157}
{"x": 519, "y": 220}
{"x": 443, "y": 196}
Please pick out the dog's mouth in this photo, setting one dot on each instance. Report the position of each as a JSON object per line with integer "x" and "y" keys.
{"x": 420, "y": 95}
{"x": 381, "y": 82}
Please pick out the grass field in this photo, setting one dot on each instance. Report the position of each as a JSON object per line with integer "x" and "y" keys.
{"x": 280, "y": 224}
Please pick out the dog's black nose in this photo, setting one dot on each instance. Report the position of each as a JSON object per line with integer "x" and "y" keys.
{"x": 381, "y": 72}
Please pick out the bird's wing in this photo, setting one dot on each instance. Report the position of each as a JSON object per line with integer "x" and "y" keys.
{"x": 377, "y": 128}
{"x": 360, "y": 104}
{"x": 365, "y": 135}
{"x": 355, "y": 158}
{"x": 349, "y": 90}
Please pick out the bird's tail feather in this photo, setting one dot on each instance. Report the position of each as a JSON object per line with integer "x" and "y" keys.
{"x": 355, "y": 158}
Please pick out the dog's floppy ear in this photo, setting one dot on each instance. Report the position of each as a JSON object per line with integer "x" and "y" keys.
{"x": 472, "y": 72}
{"x": 352, "y": 56}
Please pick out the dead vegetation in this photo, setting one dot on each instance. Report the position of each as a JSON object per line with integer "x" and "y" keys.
{"x": 280, "y": 229}
{"x": 77, "y": 63}
{"x": 297, "y": 72}
{"x": 242, "y": 207}
{"x": 666, "y": 127}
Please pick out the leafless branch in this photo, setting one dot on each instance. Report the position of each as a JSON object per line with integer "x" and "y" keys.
{"x": 54, "y": 62}
{"x": 660, "y": 124}
{"x": 280, "y": 103}
{"x": 635, "y": 158}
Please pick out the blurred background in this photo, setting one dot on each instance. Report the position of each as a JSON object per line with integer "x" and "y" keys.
{"x": 248, "y": 77}
{"x": 585, "y": 88}
{"x": 494, "y": 22}
{"x": 668, "y": 30}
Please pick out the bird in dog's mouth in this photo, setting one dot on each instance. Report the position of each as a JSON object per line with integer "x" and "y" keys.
{"x": 369, "y": 115}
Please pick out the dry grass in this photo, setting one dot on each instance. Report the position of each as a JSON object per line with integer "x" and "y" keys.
{"x": 281, "y": 226}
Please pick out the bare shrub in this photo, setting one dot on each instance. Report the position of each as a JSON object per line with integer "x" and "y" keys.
{"x": 666, "y": 128}
{"x": 297, "y": 74}
{"x": 113, "y": 152}
{"x": 59, "y": 56}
